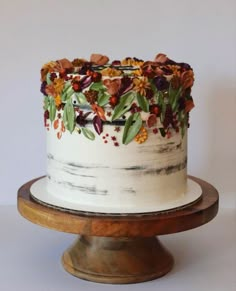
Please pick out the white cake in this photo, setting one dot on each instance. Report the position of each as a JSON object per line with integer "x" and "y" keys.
{"x": 117, "y": 135}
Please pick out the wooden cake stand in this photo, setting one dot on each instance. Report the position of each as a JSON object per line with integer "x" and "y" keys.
{"x": 119, "y": 248}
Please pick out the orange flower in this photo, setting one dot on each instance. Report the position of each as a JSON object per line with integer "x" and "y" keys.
{"x": 50, "y": 90}
{"x": 113, "y": 86}
{"x": 58, "y": 85}
{"x": 57, "y": 100}
{"x": 99, "y": 111}
{"x": 132, "y": 62}
{"x": 141, "y": 85}
{"x": 111, "y": 72}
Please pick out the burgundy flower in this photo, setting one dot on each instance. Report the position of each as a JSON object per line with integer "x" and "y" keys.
{"x": 161, "y": 83}
{"x": 134, "y": 108}
{"x": 125, "y": 86}
{"x": 43, "y": 88}
{"x": 85, "y": 82}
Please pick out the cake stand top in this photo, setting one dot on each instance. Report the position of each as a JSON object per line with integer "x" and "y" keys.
{"x": 131, "y": 225}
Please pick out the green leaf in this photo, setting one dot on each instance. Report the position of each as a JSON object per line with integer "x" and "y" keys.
{"x": 69, "y": 116}
{"x": 81, "y": 98}
{"x": 162, "y": 131}
{"x": 46, "y": 103}
{"x": 124, "y": 105}
{"x": 88, "y": 133}
{"x": 132, "y": 127}
{"x": 103, "y": 98}
{"x": 143, "y": 102}
{"x": 163, "y": 111}
{"x": 67, "y": 92}
{"x": 174, "y": 97}
{"x": 52, "y": 110}
{"x": 98, "y": 86}
{"x": 48, "y": 79}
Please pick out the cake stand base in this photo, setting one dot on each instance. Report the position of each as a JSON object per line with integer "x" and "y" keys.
{"x": 117, "y": 260}
{"x": 119, "y": 248}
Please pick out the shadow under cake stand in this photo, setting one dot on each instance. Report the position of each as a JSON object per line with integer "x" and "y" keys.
{"x": 119, "y": 248}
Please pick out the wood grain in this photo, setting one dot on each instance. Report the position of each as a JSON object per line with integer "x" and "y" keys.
{"x": 117, "y": 260}
{"x": 119, "y": 248}
{"x": 146, "y": 225}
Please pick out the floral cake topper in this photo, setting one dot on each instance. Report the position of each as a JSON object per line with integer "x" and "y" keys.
{"x": 139, "y": 95}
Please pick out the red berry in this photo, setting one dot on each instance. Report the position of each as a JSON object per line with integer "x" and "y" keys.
{"x": 105, "y": 141}
{"x": 113, "y": 100}
{"x": 116, "y": 144}
{"x": 113, "y": 137}
{"x": 76, "y": 86}
{"x": 155, "y": 130}
{"x": 96, "y": 77}
{"x": 155, "y": 109}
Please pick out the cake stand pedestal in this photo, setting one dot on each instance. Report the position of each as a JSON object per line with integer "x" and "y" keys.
{"x": 119, "y": 248}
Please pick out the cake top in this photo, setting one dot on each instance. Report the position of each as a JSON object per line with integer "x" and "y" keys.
{"x": 143, "y": 95}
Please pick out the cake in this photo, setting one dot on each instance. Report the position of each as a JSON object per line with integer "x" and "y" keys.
{"x": 116, "y": 134}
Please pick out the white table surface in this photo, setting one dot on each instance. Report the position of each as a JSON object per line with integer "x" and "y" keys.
{"x": 205, "y": 257}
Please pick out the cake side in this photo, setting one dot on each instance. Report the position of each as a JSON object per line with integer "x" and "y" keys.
{"x": 121, "y": 177}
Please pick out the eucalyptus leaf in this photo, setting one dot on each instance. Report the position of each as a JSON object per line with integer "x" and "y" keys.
{"x": 88, "y": 133}
{"x": 143, "y": 102}
{"x": 124, "y": 105}
{"x": 52, "y": 109}
{"x": 132, "y": 127}
{"x": 69, "y": 116}
{"x": 48, "y": 78}
{"x": 174, "y": 95}
{"x": 98, "y": 86}
{"x": 46, "y": 103}
{"x": 163, "y": 111}
{"x": 103, "y": 98}
{"x": 67, "y": 91}
{"x": 81, "y": 98}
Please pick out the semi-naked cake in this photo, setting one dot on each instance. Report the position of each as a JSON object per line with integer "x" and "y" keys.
{"x": 116, "y": 135}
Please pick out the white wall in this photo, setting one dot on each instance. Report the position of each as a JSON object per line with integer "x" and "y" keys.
{"x": 202, "y": 33}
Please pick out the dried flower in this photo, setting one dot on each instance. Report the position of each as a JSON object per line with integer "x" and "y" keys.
{"x": 187, "y": 79}
{"x": 57, "y": 100}
{"x": 134, "y": 62}
{"x": 58, "y": 85}
{"x": 111, "y": 72}
{"x": 91, "y": 96}
{"x": 98, "y": 111}
{"x": 50, "y": 90}
{"x": 65, "y": 64}
{"x": 189, "y": 105}
{"x": 141, "y": 84}
{"x": 151, "y": 69}
{"x": 49, "y": 67}
{"x": 117, "y": 129}
{"x": 113, "y": 86}
{"x": 175, "y": 82}
{"x": 161, "y": 58}
{"x": 161, "y": 83}
{"x": 98, "y": 59}
{"x": 152, "y": 120}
